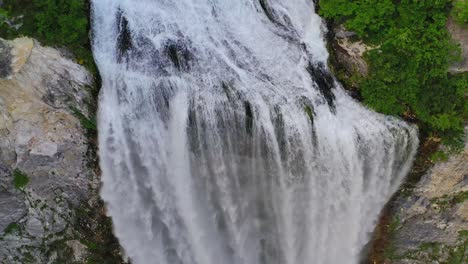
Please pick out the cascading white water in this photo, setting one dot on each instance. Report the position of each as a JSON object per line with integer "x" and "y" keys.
{"x": 224, "y": 139}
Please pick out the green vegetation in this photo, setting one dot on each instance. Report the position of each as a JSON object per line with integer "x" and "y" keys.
{"x": 408, "y": 68}
{"x": 392, "y": 229}
{"x": 439, "y": 156}
{"x": 3, "y": 16}
{"x": 460, "y": 11}
{"x": 20, "y": 179}
{"x": 62, "y": 23}
{"x": 430, "y": 252}
{"x": 88, "y": 123}
{"x": 310, "y": 112}
{"x": 11, "y": 228}
{"x": 440, "y": 253}
{"x": 445, "y": 202}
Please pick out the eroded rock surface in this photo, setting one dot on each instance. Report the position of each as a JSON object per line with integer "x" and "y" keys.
{"x": 42, "y": 141}
{"x": 347, "y": 58}
{"x": 432, "y": 223}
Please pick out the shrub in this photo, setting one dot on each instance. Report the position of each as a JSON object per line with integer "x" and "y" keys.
{"x": 408, "y": 69}
{"x": 460, "y": 11}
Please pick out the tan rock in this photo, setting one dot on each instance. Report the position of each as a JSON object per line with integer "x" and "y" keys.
{"x": 21, "y": 51}
{"x": 40, "y": 136}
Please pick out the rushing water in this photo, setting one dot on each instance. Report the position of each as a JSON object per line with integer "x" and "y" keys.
{"x": 225, "y": 140}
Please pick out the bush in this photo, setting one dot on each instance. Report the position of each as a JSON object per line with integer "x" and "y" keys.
{"x": 460, "y": 11}
{"x": 408, "y": 71}
{"x": 3, "y": 15}
{"x": 62, "y": 22}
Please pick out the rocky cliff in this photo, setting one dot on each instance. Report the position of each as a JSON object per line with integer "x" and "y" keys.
{"x": 430, "y": 224}
{"x": 46, "y": 182}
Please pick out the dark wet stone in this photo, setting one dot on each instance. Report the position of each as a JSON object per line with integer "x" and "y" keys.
{"x": 5, "y": 60}
{"x": 324, "y": 81}
{"x": 179, "y": 55}
{"x": 124, "y": 40}
{"x": 267, "y": 10}
{"x": 248, "y": 117}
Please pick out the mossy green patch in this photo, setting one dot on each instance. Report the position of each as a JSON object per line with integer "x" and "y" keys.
{"x": 310, "y": 113}
{"x": 20, "y": 179}
{"x": 429, "y": 252}
{"x": 448, "y": 201}
{"x": 439, "y": 156}
{"x": 11, "y": 228}
{"x": 89, "y": 124}
{"x": 390, "y": 250}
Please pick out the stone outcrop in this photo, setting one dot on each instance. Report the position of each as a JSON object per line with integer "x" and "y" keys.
{"x": 431, "y": 224}
{"x": 350, "y": 52}
{"x": 347, "y": 58}
{"x": 459, "y": 35}
{"x": 44, "y": 175}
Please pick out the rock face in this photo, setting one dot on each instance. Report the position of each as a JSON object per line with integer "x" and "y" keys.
{"x": 432, "y": 223}
{"x": 346, "y": 58}
{"x": 43, "y": 148}
{"x": 459, "y": 35}
{"x": 349, "y": 53}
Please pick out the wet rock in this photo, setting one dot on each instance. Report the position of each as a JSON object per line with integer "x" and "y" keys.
{"x": 5, "y": 60}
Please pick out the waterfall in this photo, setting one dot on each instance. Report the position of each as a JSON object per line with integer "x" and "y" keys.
{"x": 224, "y": 139}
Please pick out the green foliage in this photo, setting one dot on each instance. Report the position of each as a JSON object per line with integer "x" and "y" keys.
{"x": 11, "y": 228}
{"x": 87, "y": 123}
{"x": 460, "y": 197}
{"x": 310, "y": 112}
{"x": 439, "y": 156}
{"x": 20, "y": 179}
{"x": 62, "y": 23}
{"x": 3, "y": 16}
{"x": 446, "y": 202}
{"x": 393, "y": 226}
{"x": 368, "y": 18}
{"x": 408, "y": 69}
{"x": 460, "y": 11}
